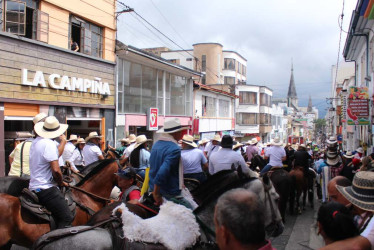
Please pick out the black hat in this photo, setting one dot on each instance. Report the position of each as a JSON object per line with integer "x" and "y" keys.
{"x": 127, "y": 173}
{"x": 226, "y": 141}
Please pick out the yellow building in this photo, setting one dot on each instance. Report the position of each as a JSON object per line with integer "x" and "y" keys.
{"x": 56, "y": 57}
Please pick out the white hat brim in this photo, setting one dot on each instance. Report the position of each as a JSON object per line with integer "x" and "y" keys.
{"x": 91, "y": 137}
{"x": 190, "y": 143}
{"x": 172, "y": 131}
{"x": 138, "y": 144}
{"x": 39, "y": 129}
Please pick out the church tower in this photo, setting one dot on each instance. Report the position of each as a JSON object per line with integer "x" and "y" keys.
{"x": 292, "y": 100}
{"x": 310, "y": 106}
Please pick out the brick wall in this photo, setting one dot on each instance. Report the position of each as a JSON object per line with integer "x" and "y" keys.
{"x": 17, "y": 53}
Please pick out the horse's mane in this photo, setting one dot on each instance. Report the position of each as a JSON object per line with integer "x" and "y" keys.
{"x": 94, "y": 169}
{"x": 216, "y": 185}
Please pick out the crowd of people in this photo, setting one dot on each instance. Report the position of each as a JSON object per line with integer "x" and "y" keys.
{"x": 345, "y": 179}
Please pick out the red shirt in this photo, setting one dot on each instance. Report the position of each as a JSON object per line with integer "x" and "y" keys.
{"x": 268, "y": 246}
{"x": 133, "y": 195}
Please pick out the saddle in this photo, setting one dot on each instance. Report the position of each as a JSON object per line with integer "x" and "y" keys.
{"x": 30, "y": 201}
{"x": 272, "y": 170}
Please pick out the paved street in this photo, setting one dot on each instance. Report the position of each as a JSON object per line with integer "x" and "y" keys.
{"x": 299, "y": 232}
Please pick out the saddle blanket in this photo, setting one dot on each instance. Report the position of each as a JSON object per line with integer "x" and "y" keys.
{"x": 175, "y": 226}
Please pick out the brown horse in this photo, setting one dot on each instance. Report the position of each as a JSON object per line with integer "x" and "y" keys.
{"x": 21, "y": 227}
{"x": 299, "y": 186}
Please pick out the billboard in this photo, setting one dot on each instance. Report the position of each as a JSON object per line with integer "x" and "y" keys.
{"x": 358, "y": 106}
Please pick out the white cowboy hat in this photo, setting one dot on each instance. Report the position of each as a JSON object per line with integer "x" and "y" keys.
{"x": 277, "y": 142}
{"x": 302, "y": 145}
{"x": 80, "y": 141}
{"x": 188, "y": 139}
{"x": 132, "y": 138}
{"x": 238, "y": 145}
{"x": 125, "y": 140}
{"x": 73, "y": 137}
{"x": 216, "y": 137}
{"x": 50, "y": 128}
{"x": 140, "y": 139}
{"x": 253, "y": 141}
{"x": 203, "y": 141}
{"x": 331, "y": 140}
{"x": 92, "y": 135}
{"x": 39, "y": 117}
{"x": 21, "y": 136}
{"x": 172, "y": 125}
{"x": 349, "y": 154}
{"x": 360, "y": 150}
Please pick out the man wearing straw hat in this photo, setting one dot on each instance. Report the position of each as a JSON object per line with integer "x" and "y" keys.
{"x": 92, "y": 152}
{"x": 213, "y": 146}
{"x": 69, "y": 148}
{"x": 193, "y": 160}
{"x": 361, "y": 196}
{"x": 252, "y": 149}
{"x": 166, "y": 171}
{"x": 129, "y": 149}
{"x": 276, "y": 155}
{"x": 45, "y": 173}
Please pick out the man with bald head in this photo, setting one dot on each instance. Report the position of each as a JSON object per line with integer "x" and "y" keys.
{"x": 240, "y": 221}
{"x": 334, "y": 194}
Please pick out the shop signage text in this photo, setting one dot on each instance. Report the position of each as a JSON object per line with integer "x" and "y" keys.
{"x": 358, "y": 106}
{"x": 57, "y": 81}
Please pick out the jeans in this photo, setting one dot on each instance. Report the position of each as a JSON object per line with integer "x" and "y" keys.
{"x": 265, "y": 169}
{"x": 55, "y": 202}
{"x": 201, "y": 177}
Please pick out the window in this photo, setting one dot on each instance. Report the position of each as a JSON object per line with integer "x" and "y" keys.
{"x": 88, "y": 36}
{"x": 265, "y": 119}
{"x": 223, "y": 108}
{"x": 149, "y": 88}
{"x": 229, "y": 63}
{"x": 23, "y": 18}
{"x": 160, "y": 92}
{"x": 244, "y": 70}
{"x": 177, "y": 100}
{"x": 209, "y": 106}
{"x": 246, "y": 97}
{"x": 203, "y": 63}
{"x": 203, "y": 79}
{"x": 246, "y": 118}
{"x": 265, "y": 100}
{"x": 229, "y": 80}
{"x": 239, "y": 68}
{"x": 188, "y": 59}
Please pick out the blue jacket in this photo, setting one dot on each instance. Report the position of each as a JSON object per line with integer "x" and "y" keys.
{"x": 164, "y": 163}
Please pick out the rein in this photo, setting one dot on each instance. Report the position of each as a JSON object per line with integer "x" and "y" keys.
{"x": 91, "y": 194}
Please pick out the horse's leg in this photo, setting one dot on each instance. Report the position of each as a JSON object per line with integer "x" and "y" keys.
{"x": 298, "y": 200}
{"x": 292, "y": 194}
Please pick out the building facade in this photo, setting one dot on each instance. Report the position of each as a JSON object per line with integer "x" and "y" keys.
{"x": 40, "y": 72}
{"x": 148, "y": 82}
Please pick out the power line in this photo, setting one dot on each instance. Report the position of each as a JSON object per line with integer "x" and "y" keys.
{"x": 340, "y": 39}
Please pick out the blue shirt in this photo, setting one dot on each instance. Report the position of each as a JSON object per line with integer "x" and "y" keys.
{"x": 192, "y": 160}
{"x": 164, "y": 167}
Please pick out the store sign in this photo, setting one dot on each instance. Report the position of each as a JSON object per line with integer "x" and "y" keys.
{"x": 358, "y": 106}
{"x": 152, "y": 117}
{"x": 57, "y": 81}
{"x": 343, "y": 100}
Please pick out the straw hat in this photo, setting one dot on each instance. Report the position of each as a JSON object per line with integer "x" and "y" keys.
{"x": 39, "y": 117}
{"x": 141, "y": 139}
{"x": 360, "y": 150}
{"x": 73, "y": 137}
{"x": 125, "y": 140}
{"x": 331, "y": 140}
{"x": 80, "y": 141}
{"x": 361, "y": 193}
{"x": 238, "y": 145}
{"x": 21, "y": 136}
{"x": 50, "y": 128}
{"x": 216, "y": 137}
{"x": 253, "y": 141}
{"x": 349, "y": 155}
{"x": 203, "y": 141}
{"x": 132, "y": 138}
{"x": 277, "y": 142}
{"x": 171, "y": 125}
{"x": 302, "y": 145}
{"x": 188, "y": 139}
{"x": 92, "y": 135}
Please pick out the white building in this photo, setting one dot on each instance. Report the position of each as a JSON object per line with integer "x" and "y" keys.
{"x": 279, "y": 121}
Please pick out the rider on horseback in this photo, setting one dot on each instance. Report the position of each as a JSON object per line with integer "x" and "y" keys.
{"x": 302, "y": 158}
{"x": 45, "y": 173}
{"x": 92, "y": 152}
{"x": 276, "y": 154}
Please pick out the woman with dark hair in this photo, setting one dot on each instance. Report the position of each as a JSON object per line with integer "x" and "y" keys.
{"x": 76, "y": 160}
{"x": 130, "y": 192}
{"x": 139, "y": 157}
{"x": 335, "y": 222}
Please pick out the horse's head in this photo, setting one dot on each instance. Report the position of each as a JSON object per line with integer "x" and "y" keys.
{"x": 267, "y": 194}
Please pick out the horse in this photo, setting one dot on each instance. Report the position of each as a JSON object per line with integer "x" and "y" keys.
{"x": 299, "y": 186}
{"x": 281, "y": 181}
{"x": 90, "y": 194}
{"x": 206, "y": 195}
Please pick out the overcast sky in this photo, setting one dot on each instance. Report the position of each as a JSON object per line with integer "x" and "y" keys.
{"x": 267, "y": 33}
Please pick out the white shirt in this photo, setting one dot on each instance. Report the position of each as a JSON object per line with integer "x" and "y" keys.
{"x": 192, "y": 159}
{"x": 275, "y": 154}
{"x": 223, "y": 160}
{"x": 61, "y": 161}
{"x": 210, "y": 148}
{"x": 76, "y": 159}
{"x": 42, "y": 153}
{"x": 68, "y": 151}
{"x": 91, "y": 153}
{"x": 368, "y": 233}
{"x": 129, "y": 149}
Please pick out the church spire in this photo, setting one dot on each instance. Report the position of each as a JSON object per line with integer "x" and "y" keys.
{"x": 310, "y": 106}
{"x": 291, "y": 88}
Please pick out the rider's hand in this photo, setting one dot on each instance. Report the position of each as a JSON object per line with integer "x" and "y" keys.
{"x": 62, "y": 137}
{"x": 157, "y": 198}
{"x": 64, "y": 184}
